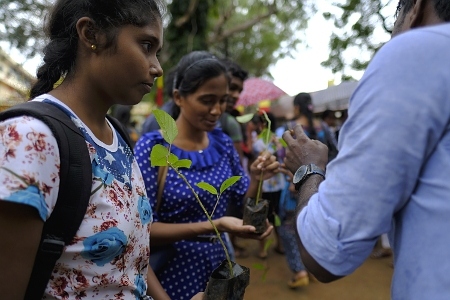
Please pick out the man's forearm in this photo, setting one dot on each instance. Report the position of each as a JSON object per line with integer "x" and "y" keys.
{"x": 309, "y": 188}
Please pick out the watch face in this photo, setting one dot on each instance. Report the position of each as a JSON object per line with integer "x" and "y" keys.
{"x": 299, "y": 174}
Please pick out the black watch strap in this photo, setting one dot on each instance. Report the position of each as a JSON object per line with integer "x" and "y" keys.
{"x": 310, "y": 170}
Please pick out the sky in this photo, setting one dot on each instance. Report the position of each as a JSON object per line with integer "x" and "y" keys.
{"x": 303, "y": 72}
{"x": 300, "y": 73}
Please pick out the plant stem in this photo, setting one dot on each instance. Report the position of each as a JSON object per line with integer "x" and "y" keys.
{"x": 230, "y": 265}
{"x": 258, "y": 195}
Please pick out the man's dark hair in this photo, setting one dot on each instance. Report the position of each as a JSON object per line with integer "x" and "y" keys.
{"x": 234, "y": 69}
{"x": 327, "y": 113}
{"x": 442, "y": 8}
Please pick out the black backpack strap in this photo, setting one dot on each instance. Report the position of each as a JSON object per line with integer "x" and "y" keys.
{"x": 121, "y": 129}
{"x": 74, "y": 190}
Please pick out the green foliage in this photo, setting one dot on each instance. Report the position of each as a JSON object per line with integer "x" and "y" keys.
{"x": 245, "y": 118}
{"x": 358, "y": 27}
{"x": 259, "y": 266}
{"x": 264, "y": 266}
{"x": 207, "y": 187}
{"x": 21, "y": 24}
{"x": 229, "y": 182}
{"x": 158, "y": 156}
{"x": 273, "y": 35}
{"x": 167, "y": 123}
{"x": 183, "y": 163}
{"x": 254, "y": 33}
{"x": 277, "y": 221}
{"x": 181, "y": 39}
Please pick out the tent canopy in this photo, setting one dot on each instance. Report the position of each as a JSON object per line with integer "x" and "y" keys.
{"x": 333, "y": 98}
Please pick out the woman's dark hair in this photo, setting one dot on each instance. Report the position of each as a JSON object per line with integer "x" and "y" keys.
{"x": 259, "y": 118}
{"x": 194, "y": 69}
{"x": 107, "y": 15}
{"x": 235, "y": 69}
{"x": 304, "y": 102}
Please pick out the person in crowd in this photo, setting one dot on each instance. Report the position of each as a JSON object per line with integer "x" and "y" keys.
{"x": 234, "y": 130}
{"x": 272, "y": 187}
{"x": 328, "y": 123}
{"x": 123, "y": 114}
{"x": 304, "y": 116}
{"x": 200, "y": 90}
{"x": 388, "y": 175}
{"x": 169, "y": 106}
{"x": 228, "y": 122}
{"x": 106, "y": 51}
{"x": 384, "y": 249}
{"x": 342, "y": 120}
{"x": 288, "y": 235}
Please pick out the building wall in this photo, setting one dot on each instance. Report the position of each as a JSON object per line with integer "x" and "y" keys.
{"x": 15, "y": 81}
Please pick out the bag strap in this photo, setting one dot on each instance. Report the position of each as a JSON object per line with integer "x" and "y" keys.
{"x": 162, "y": 175}
{"x": 74, "y": 190}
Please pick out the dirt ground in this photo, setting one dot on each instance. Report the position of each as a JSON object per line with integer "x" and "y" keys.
{"x": 370, "y": 282}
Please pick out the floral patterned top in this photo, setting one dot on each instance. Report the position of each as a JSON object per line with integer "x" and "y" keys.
{"x": 109, "y": 255}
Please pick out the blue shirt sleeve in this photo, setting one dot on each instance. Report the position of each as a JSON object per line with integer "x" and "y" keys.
{"x": 395, "y": 122}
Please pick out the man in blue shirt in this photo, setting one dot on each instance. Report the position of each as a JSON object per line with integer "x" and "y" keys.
{"x": 390, "y": 172}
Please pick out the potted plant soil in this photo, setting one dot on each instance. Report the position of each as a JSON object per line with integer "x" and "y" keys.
{"x": 229, "y": 280}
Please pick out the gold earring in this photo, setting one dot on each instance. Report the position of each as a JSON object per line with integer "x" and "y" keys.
{"x": 93, "y": 47}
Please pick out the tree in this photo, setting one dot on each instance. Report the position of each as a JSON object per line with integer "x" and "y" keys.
{"x": 257, "y": 33}
{"x": 362, "y": 27}
{"x": 254, "y": 33}
{"x": 21, "y": 24}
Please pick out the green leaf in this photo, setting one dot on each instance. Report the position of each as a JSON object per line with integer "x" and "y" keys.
{"x": 277, "y": 221}
{"x": 266, "y": 135}
{"x": 267, "y": 244}
{"x": 244, "y": 118}
{"x": 259, "y": 266}
{"x": 158, "y": 156}
{"x": 207, "y": 187}
{"x": 183, "y": 163}
{"x": 167, "y": 124}
{"x": 173, "y": 159}
{"x": 283, "y": 143}
{"x": 229, "y": 182}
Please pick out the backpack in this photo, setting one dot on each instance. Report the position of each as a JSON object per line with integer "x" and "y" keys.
{"x": 74, "y": 190}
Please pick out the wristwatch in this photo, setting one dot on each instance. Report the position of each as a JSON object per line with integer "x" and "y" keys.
{"x": 303, "y": 173}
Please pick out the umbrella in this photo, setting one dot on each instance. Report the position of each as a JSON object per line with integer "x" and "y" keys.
{"x": 258, "y": 89}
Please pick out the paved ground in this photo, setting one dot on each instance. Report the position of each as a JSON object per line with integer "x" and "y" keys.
{"x": 370, "y": 282}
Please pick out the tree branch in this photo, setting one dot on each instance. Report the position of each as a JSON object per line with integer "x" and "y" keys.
{"x": 223, "y": 19}
{"x": 220, "y": 37}
{"x": 185, "y": 18}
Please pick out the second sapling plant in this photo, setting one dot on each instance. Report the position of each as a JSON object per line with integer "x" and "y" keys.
{"x": 266, "y": 135}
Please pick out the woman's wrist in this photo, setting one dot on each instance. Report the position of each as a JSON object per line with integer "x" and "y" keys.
{"x": 218, "y": 224}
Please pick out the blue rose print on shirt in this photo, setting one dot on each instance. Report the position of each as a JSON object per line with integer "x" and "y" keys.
{"x": 101, "y": 248}
{"x": 145, "y": 210}
{"x": 31, "y": 196}
{"x": 106, "y": 177}
{"x": 141, "y": 287}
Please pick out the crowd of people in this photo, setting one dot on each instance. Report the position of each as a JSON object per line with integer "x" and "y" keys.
{"x": 335, "y": 191}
